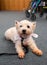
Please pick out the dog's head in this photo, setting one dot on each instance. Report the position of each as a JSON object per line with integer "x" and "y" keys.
{"x": 25, "y": 27}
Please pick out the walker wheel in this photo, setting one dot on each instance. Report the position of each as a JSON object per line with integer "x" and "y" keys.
{"x": 27, "y": 14}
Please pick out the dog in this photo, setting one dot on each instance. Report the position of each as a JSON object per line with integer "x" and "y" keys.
{"x": 23, "y": 29}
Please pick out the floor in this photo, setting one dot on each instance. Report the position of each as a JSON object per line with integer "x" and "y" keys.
{"x": 7, "y": 20}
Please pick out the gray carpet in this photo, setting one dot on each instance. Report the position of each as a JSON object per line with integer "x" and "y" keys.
{"x": 6, "y": 21}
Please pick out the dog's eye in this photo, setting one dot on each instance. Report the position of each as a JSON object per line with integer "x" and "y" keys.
{"x": 20, "y": 25}
{"x": 28, "y": 26}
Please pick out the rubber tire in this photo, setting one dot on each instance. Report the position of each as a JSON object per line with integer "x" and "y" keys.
{"x": 27, "y": 14}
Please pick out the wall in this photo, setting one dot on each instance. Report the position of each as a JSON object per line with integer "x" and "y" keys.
{"x": 14, "y": 4}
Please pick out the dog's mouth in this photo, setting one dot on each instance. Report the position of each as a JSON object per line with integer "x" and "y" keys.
{"x": 24, "y": 35}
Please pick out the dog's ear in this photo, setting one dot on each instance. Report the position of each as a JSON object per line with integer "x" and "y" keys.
{"x": 33, "y": 25}
{"x": 16, "y": 23}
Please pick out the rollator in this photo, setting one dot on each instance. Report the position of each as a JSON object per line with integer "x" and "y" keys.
{"x": 31, "y": 10}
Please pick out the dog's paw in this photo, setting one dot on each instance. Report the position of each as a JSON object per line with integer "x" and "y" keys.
{"x": 38, "y": 52}
{"x": 21, "y": 55}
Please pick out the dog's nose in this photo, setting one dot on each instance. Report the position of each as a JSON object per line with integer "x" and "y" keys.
{"x": 24, "y": 31}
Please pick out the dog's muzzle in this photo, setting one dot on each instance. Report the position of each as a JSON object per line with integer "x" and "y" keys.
{"x": 24, "y": 31}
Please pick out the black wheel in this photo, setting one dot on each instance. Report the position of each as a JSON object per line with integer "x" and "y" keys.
{"x": 27, "y": 14}
{"x": 33, "y": 17}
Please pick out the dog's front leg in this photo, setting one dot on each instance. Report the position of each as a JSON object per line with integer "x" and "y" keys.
{"x": 19, "y": 49}
{"x": 34, "y": 48}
